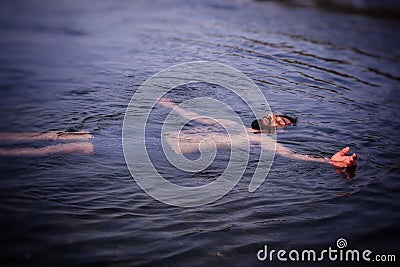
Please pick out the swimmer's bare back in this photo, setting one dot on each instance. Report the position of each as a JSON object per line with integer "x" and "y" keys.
{"x": 79, "y": 147}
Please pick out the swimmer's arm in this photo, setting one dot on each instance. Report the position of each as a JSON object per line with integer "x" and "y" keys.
{"x": 193, "y": 116}
{"x": 339, "y": 159}
{"x": 165, "y": 102}
{"x": 286, "y": 152}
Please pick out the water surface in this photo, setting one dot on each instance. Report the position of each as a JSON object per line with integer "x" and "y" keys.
{"x": 75, "y": 66}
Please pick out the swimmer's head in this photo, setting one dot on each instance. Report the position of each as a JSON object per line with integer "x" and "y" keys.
{"x": 259, "y": 124}
{"x": 273, "y": 121}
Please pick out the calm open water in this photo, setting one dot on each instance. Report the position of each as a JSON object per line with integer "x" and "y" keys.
{"x": 69, "y": 65}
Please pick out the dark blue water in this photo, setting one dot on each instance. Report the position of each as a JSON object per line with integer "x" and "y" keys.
{"x": 75, "y": 66}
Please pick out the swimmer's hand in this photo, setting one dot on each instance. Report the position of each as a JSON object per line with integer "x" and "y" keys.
{"x": 340, "y": 159}
{"x": 166, "y": 102}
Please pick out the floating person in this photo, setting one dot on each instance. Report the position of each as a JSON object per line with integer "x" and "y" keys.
{"x": 188, "y": 141}
{"x": 78, "y": 146}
